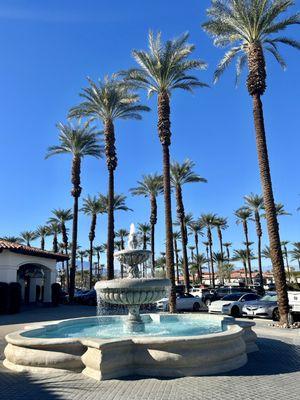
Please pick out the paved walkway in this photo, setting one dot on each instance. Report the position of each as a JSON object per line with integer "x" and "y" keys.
{"x": 272, "y": 373}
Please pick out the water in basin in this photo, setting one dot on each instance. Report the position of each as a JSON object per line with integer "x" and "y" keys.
{"x": 111, "y": 328}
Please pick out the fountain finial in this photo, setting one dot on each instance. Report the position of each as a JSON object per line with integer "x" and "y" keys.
{"x": 132, "y": 240}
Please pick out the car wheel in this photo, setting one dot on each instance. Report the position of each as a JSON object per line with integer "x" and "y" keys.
{"x": 207, "y": 302}
{"x": 275, "y": 315}
{"x": 196, "y": 307}
{"x": 235, "y": 312}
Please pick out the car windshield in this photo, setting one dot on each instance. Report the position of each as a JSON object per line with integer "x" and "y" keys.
{"x": 269, "y": 297}
{"x": 232, "y": 297}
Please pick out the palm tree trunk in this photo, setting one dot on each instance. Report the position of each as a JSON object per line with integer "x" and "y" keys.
{"x": 42, "y": 243}
{"x": 165, "y": 135}
{"x": 211, "y": 258}
{"x": 208, "y": 264}
{"x": 153, "y": 221}
{"x": 269, "y": 204}
{"x": 98, "y": 265}
{"x": 245, "y": 271}
{"x": 181, "y": 216}
{"x": 248, "y": 251}
{"x": 81, "y": 262}
{"x": 197, "y": 256}
{"x": 55, "y": 243}
{"x": 91, "y": 239}
{"x": 112, "y": 161}
{"x": 76, "y": 191}
{"x": 176, "y": 261}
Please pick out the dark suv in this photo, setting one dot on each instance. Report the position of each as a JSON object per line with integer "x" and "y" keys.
{"x": 219, "y": 293}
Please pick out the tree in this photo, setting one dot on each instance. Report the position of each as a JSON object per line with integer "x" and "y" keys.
{"x": 99, "y": 249}
{"x": 55, "y": 230}
{"x": 266, "y": 253}
{"x": 208, "y": 221}
{"x": 176, "y": 237}
{"x": 41, "y": 232}
{"x": 150, "y": 186}
{"x": 92, "y": 207}
{"x": 121, "y": 234}
{"x": 144, "y": 230}
{"x": 79, "y": 140}
{"x": 27, "y": 237}
{"x": 243, "y": 256}
{"x": 243, "y": 214}
{"x": 12, "y": 239}
{"x": 227, "y": 245}
{"x": 250, "y": 28}
{"x": 219, "y": 260}
{"x": 255, "y": 203}
{"x": 208, "y": 260}
{"x": 196, "y": 228}
{"x": 82, "y": 254}
{"x": 221, "y": 224}
{"x": 108, "y": 101}
{"x": 285, "y": 252}
{"x": 295, "y": 253}
{"x": 182, "y": 174}
{"x": 163, "y": 69}
{"x": 200, "y": 260}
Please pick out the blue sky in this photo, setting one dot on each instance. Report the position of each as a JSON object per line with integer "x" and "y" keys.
{"x": 48, "y": 48}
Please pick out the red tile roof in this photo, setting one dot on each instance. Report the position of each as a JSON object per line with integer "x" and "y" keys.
{"x": 30, "y": 251}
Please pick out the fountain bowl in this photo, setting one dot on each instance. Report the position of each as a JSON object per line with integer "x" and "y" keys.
{"x": 132, "y": 291}
{"x": 132, "y": 256}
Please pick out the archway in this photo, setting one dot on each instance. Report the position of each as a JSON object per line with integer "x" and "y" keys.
{"x": 34, "y": 280}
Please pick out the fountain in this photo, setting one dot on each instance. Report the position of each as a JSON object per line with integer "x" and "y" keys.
{"x": 132, "y": 291}
{"x": 115, "y": 346}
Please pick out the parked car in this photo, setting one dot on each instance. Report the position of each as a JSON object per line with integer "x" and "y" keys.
{"x": 232, "y": 304}
{"x": 225, "y": 290}
{"x": 184, "y": 302}
{"x": 266, "y": 307}
{"x": 205, "y": 294}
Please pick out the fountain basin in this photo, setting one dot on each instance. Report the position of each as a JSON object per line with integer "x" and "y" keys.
{"x": 132, "y": 256}
{"x": 45, "y": 348}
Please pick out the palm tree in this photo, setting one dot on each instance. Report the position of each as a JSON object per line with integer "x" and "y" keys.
{"x": 163, "y": 69}
{"x": 176, "y": 237}
{"x": 255, "y": 203}
{"x": 284, "y": 244}
{"x": 144, "y": 230}
{"x": 79, "y": 140}
{"x": 150, "y": 186}
{"x": 98, "y": 250}
{"x": 219, "y": 260}
{"x": 108, "y": 101}
{"x": 180, "y": 175}
{"x": 243, "y": 214}
{"x": 250, "y": 27}
{"x": 195, "y": 228}
{"x": 209, "y": 220}
{"x": 92, "y": 207}
{"x": 122, "y": 233}
{"x": 12, "y": 239}
{"x": 208, "y": 260}
{"x": 227, "y": 245}
{"x": 295, "y": 253}
{"x": 243, "y": 256}
{"x": 266, "y": 253}
{"x": 82, "y": 254}
{"x": 55, "y": 230}
{"x": 200, "y": 260}
{"x": 41, "y": 232}
{"x": 221, "y": 224}
{"x": 27, "y": 237}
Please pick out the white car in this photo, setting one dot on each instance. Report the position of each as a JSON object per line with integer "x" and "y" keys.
{"x": 232, "y": 304}
{"x": 184, "y": 302}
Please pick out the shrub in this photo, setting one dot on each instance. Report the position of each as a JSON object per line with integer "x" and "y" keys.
{"x": 3, "y": 298}
{"x": 55, "y": 293}
{"x": 14, "y": 297}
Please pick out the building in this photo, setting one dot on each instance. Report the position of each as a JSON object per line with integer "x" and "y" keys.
{"x": 33, "y": 268}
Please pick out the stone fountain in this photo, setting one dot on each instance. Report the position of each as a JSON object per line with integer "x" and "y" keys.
{"x": 132, "y": 291}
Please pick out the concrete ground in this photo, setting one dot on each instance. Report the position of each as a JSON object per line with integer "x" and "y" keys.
{"x": 272, "y": 373}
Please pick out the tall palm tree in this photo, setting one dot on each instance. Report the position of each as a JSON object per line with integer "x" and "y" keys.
{"x": 163, "y": 69}
{"x": 79, "y": 140}
{"x": 55, "y": 230}
{"x": 221, "y": 224}
{"x": 176, "y": 237}
{"x": 200, "y": 260}
{"x": 219, "y": 260}
{"x": 27, "y": 237}
{"x": 285, "y": 252}
{"x": 144, "y": 230}
{"x": 208, "y": 259}
{"x": 208, "y": 221}
{"x": 182, "y": 174}
{"x": 256, "y": 203}
{"x": 92, "y": 207}
{"x": 150, "y": 186}
{"x": 227, "y": 245}
{"x": 250, "y": 28}
{"x": 243, "y": 256}
{"x": 98, "y": 250}
{"x": 42, "y": 231}
{"x": 82, "y": 254}
{"x": 122, "y": 234}
{"x": 295, "y": 253}
{"x": 243, "y": 215}
{"x": 196, "y": 228}
{"x": 108, "y": 101}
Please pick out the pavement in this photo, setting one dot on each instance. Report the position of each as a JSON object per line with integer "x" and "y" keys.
{"x": 272, "y": 373}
